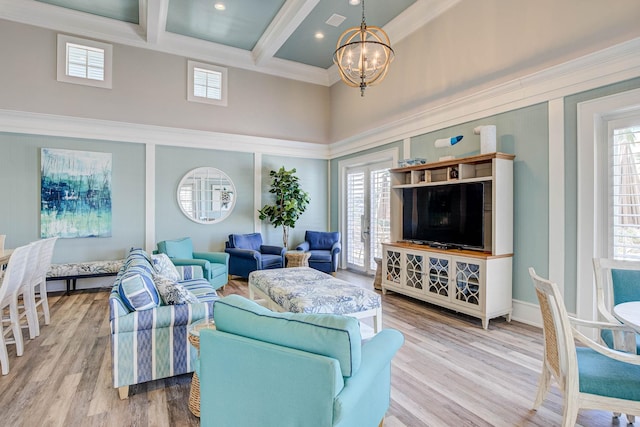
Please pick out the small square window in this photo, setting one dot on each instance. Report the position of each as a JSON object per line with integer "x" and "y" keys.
{"x": 207, "y": 84}
{"x": 84, "y": 62}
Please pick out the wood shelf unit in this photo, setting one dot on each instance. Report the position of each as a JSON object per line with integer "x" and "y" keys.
{"x": 477, "y": 283}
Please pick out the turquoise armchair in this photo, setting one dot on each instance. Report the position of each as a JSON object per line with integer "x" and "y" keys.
{"x": 616, "y": 282}
{"x": 261, "y": 368}
{"x": 215, "y": 265}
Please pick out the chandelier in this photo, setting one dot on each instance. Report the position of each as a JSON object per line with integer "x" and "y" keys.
{"x": 363, "y": 55}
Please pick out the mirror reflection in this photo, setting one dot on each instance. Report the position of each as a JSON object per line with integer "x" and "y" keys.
{"x": 206, "y": 195}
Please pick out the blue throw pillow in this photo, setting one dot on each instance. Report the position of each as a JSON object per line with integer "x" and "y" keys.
{"x": 138, "y": 292}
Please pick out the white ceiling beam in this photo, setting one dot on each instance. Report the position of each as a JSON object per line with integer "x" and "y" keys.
{"x": 71, "y": 21}
{"x": 290, "y": 16}
{"x": 415, "y": 16}
{"x": 155, "y": 18}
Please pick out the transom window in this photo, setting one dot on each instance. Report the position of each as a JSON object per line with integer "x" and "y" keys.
{"x": 207, "y": 83}
{"x": 84, "y": 62}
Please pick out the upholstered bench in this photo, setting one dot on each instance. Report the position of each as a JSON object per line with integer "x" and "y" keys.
{"x": 305, "y": 290}
{"x": 71, "y": 272}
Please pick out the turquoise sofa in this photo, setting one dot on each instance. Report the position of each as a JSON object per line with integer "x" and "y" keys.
{"x": 215, "y": 265}
{"x": 261, "y": 368}
{"x": 152, "y": 342}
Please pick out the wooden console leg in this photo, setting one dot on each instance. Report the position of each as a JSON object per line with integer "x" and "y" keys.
{"x": 123, "y": 392}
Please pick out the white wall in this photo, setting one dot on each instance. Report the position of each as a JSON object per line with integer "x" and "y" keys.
{"x": 151, "y": 88}
{"x": 477, "y": 45}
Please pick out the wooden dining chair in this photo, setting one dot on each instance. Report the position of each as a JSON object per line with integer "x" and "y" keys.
{"x": 591, "y": 375}
{"x": 39, "y": 282}
{"x": 11, "y": 282}
{"x": 616, "y": 282}
{"x": 26, "y": 299}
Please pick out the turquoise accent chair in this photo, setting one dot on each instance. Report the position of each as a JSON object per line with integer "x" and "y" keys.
{"x": 590, "y": 375}
{"x": 616, "y": 282}
{"x": 215, "y": 265}
{"x": 267, "y": 369}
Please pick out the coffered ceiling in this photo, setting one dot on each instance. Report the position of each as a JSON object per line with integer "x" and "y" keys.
{"x": 288, "y": 38}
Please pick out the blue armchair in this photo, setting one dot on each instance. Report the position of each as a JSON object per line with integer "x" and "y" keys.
{"x": 261, "y": 368}
{"x": 324, "y": 247}
{"x": 247, "y": 254}
{"x": 215, "y": 265}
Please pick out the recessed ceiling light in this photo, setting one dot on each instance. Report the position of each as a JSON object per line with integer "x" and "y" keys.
{"x": 354, "y": 2}
{"x": 319, "y": 35}
{"x": 220, "y": 6}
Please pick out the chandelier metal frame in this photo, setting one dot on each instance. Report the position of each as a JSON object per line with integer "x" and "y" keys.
{"x": 361, "y": 43}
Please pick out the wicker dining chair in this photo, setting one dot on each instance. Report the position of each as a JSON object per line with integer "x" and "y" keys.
{"x": 11, "y": 281}
{"x": 590, "y": 376}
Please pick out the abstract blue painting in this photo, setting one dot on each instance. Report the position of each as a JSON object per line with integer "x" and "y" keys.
{"x": 75, "y": 194}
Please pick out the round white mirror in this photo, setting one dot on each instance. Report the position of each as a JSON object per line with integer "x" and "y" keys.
{"x": 206, "y": 195}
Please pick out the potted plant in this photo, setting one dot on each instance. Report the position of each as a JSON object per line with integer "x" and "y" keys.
{"x": 290, "y": 201}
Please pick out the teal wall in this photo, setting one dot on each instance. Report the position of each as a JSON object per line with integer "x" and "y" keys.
{"x": 335, "y": 176}
{"x": 20, "y": 175}
{"x": 172, "y": 163}
{"x": 525, "y": 133}
{"x": 20, "y": 207}
{"x": 571, "y": 179}
{"x": 314, "y": 180}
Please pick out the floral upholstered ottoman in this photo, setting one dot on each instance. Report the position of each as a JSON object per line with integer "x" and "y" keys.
{"x": 306, "y": 290}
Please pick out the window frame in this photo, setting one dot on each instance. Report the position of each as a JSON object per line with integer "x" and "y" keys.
{"x": 614, "y": 123}
{"x": 62, "y": 76}
{"x": 191, "y": 66}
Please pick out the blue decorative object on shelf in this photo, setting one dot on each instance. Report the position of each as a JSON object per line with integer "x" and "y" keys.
{"x": 446, "y": 142}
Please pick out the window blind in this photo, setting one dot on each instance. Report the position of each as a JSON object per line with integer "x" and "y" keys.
{"x": 85, "y": 62}
{"x": 207, "y": 83}
{"x": 625, "y": 193}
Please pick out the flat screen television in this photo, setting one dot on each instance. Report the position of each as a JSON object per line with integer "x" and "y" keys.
{"x": 445, "y": 215}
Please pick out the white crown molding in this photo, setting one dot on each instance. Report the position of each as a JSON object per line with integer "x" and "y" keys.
{"x": 105, "y": 130}
{"x": 611, "y": 65}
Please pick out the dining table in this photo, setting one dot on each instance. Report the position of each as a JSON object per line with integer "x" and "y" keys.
{"x": 4, "y": 257}
{"x": 629, "y": 314}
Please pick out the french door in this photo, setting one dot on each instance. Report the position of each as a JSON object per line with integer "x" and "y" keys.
{"x": 368, "y": 218}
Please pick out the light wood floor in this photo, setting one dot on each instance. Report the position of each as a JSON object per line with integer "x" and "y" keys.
{"x": 450, "y": 372}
